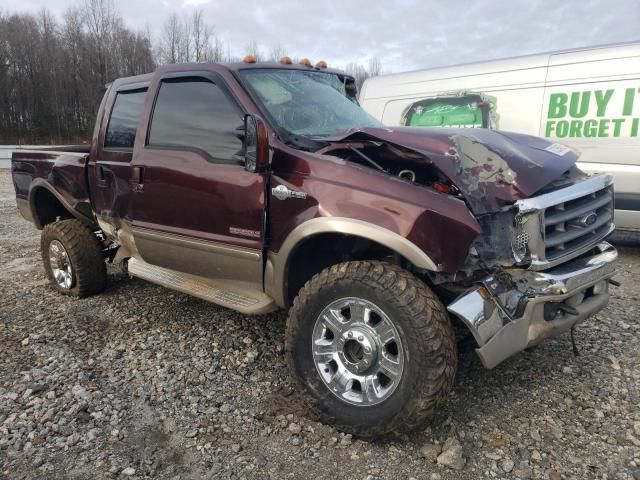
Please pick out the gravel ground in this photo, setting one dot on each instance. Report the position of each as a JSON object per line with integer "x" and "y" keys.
{"x": 143, "y": 382}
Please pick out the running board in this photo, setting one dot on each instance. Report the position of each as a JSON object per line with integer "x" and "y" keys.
{"x": 242, "y": 300}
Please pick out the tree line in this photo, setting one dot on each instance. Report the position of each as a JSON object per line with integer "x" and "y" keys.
{"x": 53, "y": 72}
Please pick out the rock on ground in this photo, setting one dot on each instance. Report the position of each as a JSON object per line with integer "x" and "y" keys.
{"x": 452, "y": 455}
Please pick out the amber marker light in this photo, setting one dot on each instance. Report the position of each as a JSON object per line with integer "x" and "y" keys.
{"x": 286, "y": 60}
{"x": 321, "y": 64}
{"x": 250, "y": 59}
{"x": 305, "y": 61}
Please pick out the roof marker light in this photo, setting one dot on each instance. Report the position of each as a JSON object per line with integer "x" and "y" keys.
{"x": 305, "y": 61}
{"x": 250, "y": 59}
{"x": 321, "y": 64}
{"x": 286, "y": 60}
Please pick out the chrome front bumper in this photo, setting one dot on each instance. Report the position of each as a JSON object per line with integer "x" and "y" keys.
{"x": 521, "y": 308}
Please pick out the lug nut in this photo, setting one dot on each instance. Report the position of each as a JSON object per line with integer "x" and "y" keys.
{"x": 367, "y": 349}
{"x": 360, "y": 338}
{"x": 350, "y": 334}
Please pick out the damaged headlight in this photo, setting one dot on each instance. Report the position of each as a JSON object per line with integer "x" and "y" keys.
{"x": 521, "y": 238}
{"x": 508, "y": 238}
{"x": 526, "y": 235}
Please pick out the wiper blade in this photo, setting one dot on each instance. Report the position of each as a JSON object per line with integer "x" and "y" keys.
{"x": 303, "y": 142}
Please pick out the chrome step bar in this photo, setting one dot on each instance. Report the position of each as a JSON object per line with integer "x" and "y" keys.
{"x": 243, "y": 300}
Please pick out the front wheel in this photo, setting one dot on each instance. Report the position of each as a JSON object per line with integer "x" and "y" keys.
{"x": 373, "y": 348}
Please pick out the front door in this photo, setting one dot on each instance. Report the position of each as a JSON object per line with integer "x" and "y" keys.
{"x": 195, "y": 208}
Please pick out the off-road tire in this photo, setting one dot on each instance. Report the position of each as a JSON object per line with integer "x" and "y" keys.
{"x": 430, "y": 357}
{"x": 85, "y": 253}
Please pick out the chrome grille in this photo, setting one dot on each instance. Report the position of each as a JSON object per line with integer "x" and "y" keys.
{"x": 565, "y": 223}
{"x": 576, "y": 223}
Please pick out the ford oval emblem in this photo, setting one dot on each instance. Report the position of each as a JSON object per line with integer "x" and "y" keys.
{"x": 589, "y": 219}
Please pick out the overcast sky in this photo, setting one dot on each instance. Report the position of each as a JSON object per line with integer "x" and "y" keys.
{"x": 405, "y": 34}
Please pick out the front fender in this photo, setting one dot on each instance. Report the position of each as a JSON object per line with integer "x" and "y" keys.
{"x": 278, "y": 264}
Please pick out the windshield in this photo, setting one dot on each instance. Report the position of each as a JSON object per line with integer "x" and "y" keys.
{"x": 310, "y": 104}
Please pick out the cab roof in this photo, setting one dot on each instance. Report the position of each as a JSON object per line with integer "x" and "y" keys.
{"x": 238, "y": 66}
{"x": 232, "y": 66}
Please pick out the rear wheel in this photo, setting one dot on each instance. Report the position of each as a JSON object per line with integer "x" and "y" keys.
{"x": 373, "y": 348}
{"x": 73, "y": 259}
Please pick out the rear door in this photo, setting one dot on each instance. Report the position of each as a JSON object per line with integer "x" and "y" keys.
{"x": 110, "y": 168}
{"x": 195, "y": 208}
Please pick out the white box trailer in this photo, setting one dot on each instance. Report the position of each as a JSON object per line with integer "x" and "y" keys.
{"x": 586, "y": 98}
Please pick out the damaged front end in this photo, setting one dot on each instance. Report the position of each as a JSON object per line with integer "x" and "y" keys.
{"x": 519, "y": 308}
{"x": 540, "y": 232}
{"x": 540, "y": 264}
{"x": 550, "y": 267}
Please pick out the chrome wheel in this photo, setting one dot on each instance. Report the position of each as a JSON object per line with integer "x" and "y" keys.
{"x": 60, "y": 265}
{"x": 357, "y": 351}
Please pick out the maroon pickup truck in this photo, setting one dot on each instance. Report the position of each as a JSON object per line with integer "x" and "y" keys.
{"x": 263, "y": 186}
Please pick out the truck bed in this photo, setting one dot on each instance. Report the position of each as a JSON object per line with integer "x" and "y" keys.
{"x": 50, "y": 175}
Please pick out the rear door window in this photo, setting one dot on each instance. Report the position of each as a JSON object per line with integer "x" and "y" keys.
{"x": 195, "y": 114}
{"x": 121, "y": 132}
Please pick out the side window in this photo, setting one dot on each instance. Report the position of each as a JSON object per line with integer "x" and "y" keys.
{"x": 195, "y": 113}
{"x": 121, "y": 132}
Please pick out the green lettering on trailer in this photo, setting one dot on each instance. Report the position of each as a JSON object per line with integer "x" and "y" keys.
{"x": 593, "y": 114}
{"x": 557, "y": 105}
{"x": 602, "y": 101}
{"x": 617, "y": 126}
{"x": 629, "y": 97}
{"x": 579, "y": 104}
{"x": 590, "y": 128}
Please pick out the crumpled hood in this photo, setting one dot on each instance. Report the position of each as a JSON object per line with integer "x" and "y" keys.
{"x": 490, "y": 168}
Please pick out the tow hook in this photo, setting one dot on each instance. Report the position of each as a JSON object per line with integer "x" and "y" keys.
{"x": 615, "y": 283}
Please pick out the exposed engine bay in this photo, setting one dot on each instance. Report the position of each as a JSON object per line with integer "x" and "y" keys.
{"x": 393, "y": 160}
{"x": 510, "y": 236}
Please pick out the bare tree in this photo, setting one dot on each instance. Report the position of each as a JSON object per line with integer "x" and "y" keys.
{"x": 253, "y": 49}
{"x": 276, "y": 53}
{"x": 188, "y": 38}
{"x": 216, "y": 50}
{"x": 185, "y": 41}
{"x": 52, "y": 75}
{"x": 101, "y": 20}
{"x": 169, "y": 49}
{"x": 375, "y": 67}
{"x": 201, "y": 36}
{"x": 360, "y": 73}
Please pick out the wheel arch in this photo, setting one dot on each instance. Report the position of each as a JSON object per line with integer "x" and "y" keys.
{"x": 343, "y": 239}
{"x": 47, "y": 205}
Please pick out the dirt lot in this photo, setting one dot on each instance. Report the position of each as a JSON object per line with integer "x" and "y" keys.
{"x": 143, "y": 382}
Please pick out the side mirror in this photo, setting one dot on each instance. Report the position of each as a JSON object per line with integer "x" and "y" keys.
{"x": 256, "y": 144}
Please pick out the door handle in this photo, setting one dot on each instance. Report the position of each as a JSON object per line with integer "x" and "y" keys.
{"x": 137, "y": 178}
{"x": 101, "y": 175}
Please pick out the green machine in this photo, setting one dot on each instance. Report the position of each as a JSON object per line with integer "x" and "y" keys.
{"x": 453, "y": 109}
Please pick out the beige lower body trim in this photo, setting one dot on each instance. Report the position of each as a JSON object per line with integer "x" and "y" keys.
{"x": 226, "y": 293}
{"x": 198, "y": 257}
{"x": 276, "y": 267}
{"x": 273, "y": 286}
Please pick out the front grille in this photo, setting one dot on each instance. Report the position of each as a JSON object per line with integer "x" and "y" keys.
{"x": 565, "y": 223}
{"x": 577, "y": 223}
